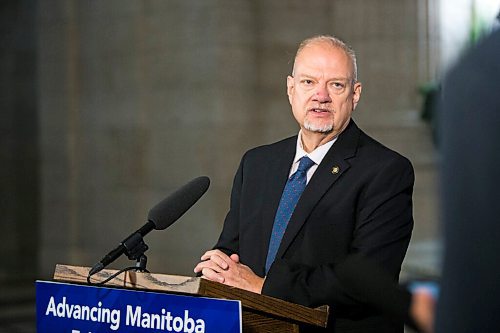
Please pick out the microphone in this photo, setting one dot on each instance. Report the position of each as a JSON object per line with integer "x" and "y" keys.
{"x": 161, "y": 216}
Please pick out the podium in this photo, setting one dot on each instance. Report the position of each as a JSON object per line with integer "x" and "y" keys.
{"x": 260, "y": 313}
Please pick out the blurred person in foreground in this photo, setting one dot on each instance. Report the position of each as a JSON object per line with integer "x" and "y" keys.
{"x": 469, "y": 295}
{"x": 357, "y": 198}
{"x": 470, "y": 142}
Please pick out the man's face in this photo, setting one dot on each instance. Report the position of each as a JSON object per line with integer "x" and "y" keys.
{"x": 321, "y": 91}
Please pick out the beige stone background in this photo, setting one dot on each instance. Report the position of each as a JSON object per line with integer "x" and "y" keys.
{"x": 109, "y": 106}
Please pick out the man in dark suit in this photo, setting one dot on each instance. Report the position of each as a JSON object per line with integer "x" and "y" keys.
{"x": 358, "y": 199}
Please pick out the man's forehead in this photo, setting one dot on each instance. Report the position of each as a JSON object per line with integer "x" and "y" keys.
{"x": 317, "y": 75}
{"x": 331, "y": 70}
{"x": 315, "y": 48}
{"x": 319, "y": 57}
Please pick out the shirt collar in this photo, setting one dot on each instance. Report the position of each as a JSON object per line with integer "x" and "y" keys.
{"x": 316, "y": 155}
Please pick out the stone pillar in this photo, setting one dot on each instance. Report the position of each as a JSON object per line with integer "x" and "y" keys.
{"x": 19, "y": 183}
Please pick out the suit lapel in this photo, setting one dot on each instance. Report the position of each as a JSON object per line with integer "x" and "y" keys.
{"x": 329, "y": 171}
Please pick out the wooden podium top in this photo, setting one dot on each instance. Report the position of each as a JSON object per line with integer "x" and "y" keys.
{"x": 197, "y": 286}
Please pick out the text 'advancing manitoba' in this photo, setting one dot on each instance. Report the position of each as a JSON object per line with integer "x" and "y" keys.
{"x": 134, "y": 317}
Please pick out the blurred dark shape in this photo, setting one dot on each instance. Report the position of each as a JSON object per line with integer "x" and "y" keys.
{"x": 470, "y": 141}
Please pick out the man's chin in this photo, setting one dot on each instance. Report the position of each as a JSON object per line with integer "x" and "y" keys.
{"x": 316, "y": 128}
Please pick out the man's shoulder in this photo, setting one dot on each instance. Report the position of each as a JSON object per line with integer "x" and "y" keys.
{"x": 273, "y": 148}
{"x": 355, "y": 142}
{"x": 379, "y": 153}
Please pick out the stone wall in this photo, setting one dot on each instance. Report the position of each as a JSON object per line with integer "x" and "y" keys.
{"x": 138, "y": 97}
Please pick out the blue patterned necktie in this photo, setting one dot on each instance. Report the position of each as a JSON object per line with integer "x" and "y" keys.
{"x": 291, "y": 194}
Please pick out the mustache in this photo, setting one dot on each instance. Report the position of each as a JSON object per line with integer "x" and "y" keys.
{"x": 320, "y": 109}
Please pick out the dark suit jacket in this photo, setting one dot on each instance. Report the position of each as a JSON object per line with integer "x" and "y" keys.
{"x": 359, "y": 200}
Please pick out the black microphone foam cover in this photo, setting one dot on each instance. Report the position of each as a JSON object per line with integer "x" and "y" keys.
{"x": 174, "y": 206}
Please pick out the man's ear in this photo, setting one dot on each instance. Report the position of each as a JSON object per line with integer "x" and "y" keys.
{"x": 290, "y": 85}
{"x": 356, "y": 94}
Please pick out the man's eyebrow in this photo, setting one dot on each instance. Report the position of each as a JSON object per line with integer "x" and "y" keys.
{"x": 310, "y": 76}
{"x": 340, "y": 78}
{"x": 305, "y": 76}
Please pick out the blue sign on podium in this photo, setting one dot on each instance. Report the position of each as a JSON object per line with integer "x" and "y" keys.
{"x": 63, "y": 307}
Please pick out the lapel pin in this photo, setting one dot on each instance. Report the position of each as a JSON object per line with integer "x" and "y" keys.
{"x": 335, "y": 170}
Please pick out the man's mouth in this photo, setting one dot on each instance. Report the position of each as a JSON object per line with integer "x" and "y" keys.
{"x": 319, "y": 110}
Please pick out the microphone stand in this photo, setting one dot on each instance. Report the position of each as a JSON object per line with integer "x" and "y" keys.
{"x": 140, "y": 264}
{"x": 134, "y": 249}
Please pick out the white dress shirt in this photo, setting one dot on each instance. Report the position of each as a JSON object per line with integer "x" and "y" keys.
{"x": 316, "y": 155}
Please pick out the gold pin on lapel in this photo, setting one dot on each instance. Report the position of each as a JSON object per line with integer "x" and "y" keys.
{"x": 335, "y": 170}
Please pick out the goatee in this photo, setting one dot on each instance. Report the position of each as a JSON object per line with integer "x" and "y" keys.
{"x": 325, "y": 128}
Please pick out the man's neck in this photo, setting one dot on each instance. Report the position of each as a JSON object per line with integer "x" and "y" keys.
{"x": 312, "y": 140}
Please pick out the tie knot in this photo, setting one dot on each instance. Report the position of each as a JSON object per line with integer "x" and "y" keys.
{"x": 305, "y": 163}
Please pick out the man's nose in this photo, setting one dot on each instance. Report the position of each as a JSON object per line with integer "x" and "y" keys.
{"x": 322, "y": 94}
